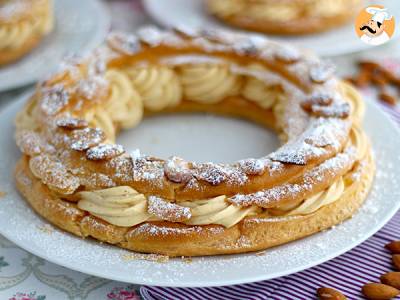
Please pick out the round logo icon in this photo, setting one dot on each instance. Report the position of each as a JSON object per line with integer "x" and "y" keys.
{"x": 375, "y": 25}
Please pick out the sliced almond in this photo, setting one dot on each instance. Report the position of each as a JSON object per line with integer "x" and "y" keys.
{"x": 83, "y": 139}
{"x": 325, "y": 293}
{"x": 177, "y": 170}
{"x": 322, "y": 72}
{"x": 388, "y": 95}
{"x": 317, "y": 98}
{"x": 393, "y": 247}
{"x": 71, "y": 123}
{"x": 369, "y": 65}
{"x": 379, "y": 291}
{"x": 104, "y": 152}
{"x": 363, "y": 79}
{"x": 168, "y": 211}
{"x": 341, "y": 110}
{"x": 392, "y": 279}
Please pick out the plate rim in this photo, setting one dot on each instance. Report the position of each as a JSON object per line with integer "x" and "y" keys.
{"x": 76, "y": 267}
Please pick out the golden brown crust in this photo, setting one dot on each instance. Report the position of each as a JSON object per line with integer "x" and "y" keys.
{"x": 23, "y": 25}
{"x": 12, "y": 55}
{"x": 175, "y": 239}
{"x": 298, "y": 26}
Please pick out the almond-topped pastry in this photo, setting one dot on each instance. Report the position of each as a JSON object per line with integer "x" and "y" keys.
{"x": 23, "y": 24}
{"x": 284, "y": 16}
{"x": 74, "y": 175}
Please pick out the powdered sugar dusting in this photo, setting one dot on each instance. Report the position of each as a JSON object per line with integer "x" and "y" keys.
{"x": 124, "y": 43}
{"x": 165, "y": 210}
{"x": 104, "y": 151}
{"x": 54, "y": 99}
{"x": 298, "y": 153}
{"x": 83, "y": 139}
{"x": 177, "y": 170}
{"x": 270, "y": 197}
{"x": 71, "y": 123}
{"x": 13, "y": 9}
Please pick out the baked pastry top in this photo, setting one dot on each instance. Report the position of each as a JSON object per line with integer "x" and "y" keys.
{"x": 74, "y": 174}
{"x": 23, "y": 24}
{"x": 284, "y": 17}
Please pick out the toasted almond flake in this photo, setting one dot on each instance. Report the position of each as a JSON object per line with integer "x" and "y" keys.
{"x": 83, "y": 139}
{"x": 71, "y": 123}
{"x": 104, "y": 151}
{"x": 123, "y": 43}
{"x": 287, "y": 54}
{"x": 341, "y": 110}
{"x": 177, "y": 170}
{"x": 320, "y": 73}
{"x": 317, "y": 98}
{"x": 168, "y": 211}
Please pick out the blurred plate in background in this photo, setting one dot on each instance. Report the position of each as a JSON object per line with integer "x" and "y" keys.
{"x": 340, "y": 41}
{"x": 80, "y": 26}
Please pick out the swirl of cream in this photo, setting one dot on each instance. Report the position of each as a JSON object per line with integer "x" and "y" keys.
{"x": 158, "y": 86}
{"x": 124, "y": 206}
{"x": 100, "y": 118}
{"x": 121, "y": 206}
{"x": 124, "y": 105}
{"x": 217, "y": 211}
{"x": 208, "y": 83}
{"x": 359, "y": 140}
{"x": 312, "y": 204}
{"x": 15, "y": 34}
{"x": 261, "y": 93}
{"x": 354, "y": 98}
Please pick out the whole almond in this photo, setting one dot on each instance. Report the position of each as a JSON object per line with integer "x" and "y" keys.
{"x": 396, "y": 261}
{"x": 369, "y": 65}
{"x": 388, "y": 95}
{"x": 379, "y": 291}
{"x": 325, "y": 293}
{"x": 392, "y": 279}
{"x": 393, "y": 247}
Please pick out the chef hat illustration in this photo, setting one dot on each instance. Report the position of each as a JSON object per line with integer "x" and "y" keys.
{"x": 379, "y": 14}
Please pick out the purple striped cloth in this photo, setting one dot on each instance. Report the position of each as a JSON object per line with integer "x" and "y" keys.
{"x": 347, "y": 273}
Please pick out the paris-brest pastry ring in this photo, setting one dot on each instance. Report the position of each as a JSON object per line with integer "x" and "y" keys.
{"x": 284, "y": 16}
{"x": 74, "y": 175}
{"x": 23, "y": 24}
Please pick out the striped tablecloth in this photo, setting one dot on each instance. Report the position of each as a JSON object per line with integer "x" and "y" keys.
{"x": 347, "y": 273}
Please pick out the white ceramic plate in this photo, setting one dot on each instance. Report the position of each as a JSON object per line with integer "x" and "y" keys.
{"x": 79, "y": 27}
{"x": 22, "y": 226}
{"x": 339, "y": 41}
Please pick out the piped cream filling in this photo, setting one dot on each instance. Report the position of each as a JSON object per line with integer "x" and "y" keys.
{"x": 14, "y": 35}
{"x": 156, "y": 87}
{"x": 124, "y": 206}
